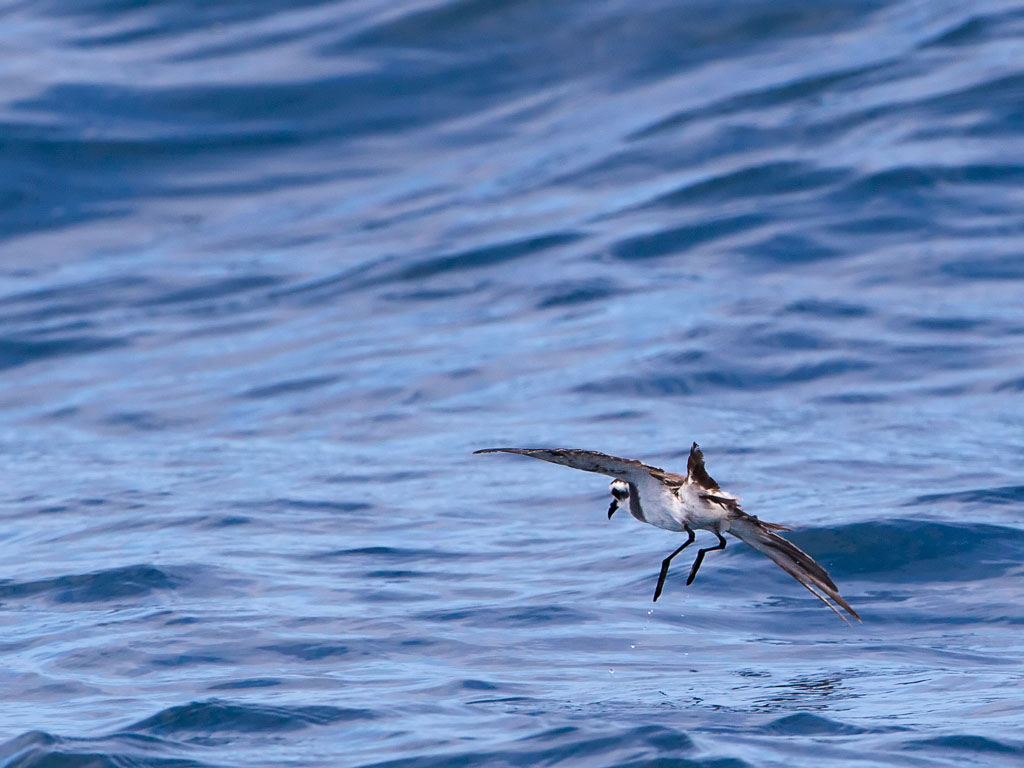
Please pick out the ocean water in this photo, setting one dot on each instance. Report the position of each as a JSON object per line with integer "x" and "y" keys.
{"x": 271, "y": 271}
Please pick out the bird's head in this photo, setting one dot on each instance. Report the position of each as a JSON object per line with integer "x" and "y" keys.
{"x": 620, "y": 493}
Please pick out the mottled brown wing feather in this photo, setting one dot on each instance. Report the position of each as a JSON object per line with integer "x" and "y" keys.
{"x": 696, "y": 472}
{"x": 793, "y": 560}
{"x": 595, "y": 461}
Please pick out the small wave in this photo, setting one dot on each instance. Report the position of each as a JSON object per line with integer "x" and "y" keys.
{"x": 679, "y": 239}
{"x": 217, "y": 716}
{"x": 27, "y": 742}
{"x": 71, "y": 299}
{"x": 388, "y": 272}
{"x": 21, "y": 351}
{"x": 288, "y": 386}
{"x": 208, "y": 290}
{"x": 1006, "y": 494}
{"x": 572, "y": 294}
{"x": 768, "y": 179}
{"x": 884, "y": 225}
{"x": 529, "y": 615}
{"x": 915, "y": 550}
{"x": 806, "y": 724}
{"x": 646, "y": 746}
{"x": 484, "y": 256}
{"x": 37, "y": 749}
{"x": 390, "y": 554}
{"x": 827, "y": 309}
{"x": 687, "y": 379}
{"x": 790, "y": 249}
{"x": 303, "y": 505}
{"x": 252, "y": 682}
{"x": 1013, "y": 385}
{"x": 802, "y": 88}
{"x": 973, "y": 29}
{"x": 962, "y": 743}
{"x": 309, "y": 651}
{"x": 113, "y": 583}
{"x": 141, "y": 421}
{"x": 986, "y": 268}
{"x": 116, "y": 302}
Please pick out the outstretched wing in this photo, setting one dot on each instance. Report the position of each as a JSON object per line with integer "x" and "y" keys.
{"x": 695, "y": 470}
{"x": 793, "y": 560}
{"x": 629, "y": 470}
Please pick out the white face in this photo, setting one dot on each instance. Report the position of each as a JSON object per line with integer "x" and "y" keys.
{"x": 620, "y": 490}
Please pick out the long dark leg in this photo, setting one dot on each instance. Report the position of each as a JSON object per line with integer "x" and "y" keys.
{"x": 700, "y": 557}
{"x": 667, "y": 560}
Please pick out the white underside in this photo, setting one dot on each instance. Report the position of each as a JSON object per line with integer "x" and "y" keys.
{"x": 675, "y": 511}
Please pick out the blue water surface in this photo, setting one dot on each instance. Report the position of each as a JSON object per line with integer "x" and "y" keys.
{"x": 270, "y": 272}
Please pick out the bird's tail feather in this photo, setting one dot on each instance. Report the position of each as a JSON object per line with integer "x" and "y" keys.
{"x": 792, "y": 560}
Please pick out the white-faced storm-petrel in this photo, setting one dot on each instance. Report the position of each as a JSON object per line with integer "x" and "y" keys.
{"x": 678, "y": 503}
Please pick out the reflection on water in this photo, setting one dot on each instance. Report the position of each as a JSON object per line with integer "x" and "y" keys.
{"x": 810, "y": 693}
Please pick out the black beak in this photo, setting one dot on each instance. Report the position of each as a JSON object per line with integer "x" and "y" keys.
{"x": 612, "y": 508}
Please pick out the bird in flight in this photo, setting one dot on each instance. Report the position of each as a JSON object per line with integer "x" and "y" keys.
{"x": 678, "y": 503}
